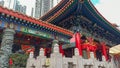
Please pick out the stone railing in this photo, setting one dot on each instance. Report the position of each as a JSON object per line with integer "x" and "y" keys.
{"x": 58, "y": 61}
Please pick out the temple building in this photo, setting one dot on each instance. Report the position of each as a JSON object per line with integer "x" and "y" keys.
{"x": 73, "y": 34}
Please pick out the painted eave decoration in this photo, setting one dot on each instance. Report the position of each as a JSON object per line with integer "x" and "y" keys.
{"x": 34, "y": 21}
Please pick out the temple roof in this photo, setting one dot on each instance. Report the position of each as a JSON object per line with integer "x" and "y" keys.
{"x": 35, "y": 21}
{"x": 68, "y": 10}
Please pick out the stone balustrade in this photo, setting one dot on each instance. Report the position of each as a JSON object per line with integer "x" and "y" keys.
{"x": 58, "y": 61}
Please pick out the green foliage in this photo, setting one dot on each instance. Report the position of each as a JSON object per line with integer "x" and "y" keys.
{"x": 19, "y": 60}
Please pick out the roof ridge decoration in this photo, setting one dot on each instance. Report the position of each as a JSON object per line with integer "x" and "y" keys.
{"x": 35, "y": 21}
{"x": 60, "y": 11}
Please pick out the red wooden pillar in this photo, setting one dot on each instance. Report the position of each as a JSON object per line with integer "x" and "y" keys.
{"x": 61, "y": 50}
{"x": 78, "y": 42}
{"x": 45, "y": 51}
{"x": 104, "y": 50}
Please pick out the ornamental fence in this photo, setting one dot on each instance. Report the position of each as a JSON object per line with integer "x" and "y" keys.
{"x": 58, "y": 61}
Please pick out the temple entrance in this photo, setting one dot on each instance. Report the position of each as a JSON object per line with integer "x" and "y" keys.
{"x": 24, "y": 44}
{"x": 27, "y": 43}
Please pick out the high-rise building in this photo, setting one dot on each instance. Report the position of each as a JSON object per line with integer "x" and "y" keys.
{"x": 32, "y": 12}
{"x": 1, "y": 3}
{"x": 42, "y": 6}
{"x": 20, "y": 8}
{"x": 38, "y": 6}
{"x": 15, "y": 5}
{"x": 10, "y": 4}
{"x": 46, "y": 5}
{"x": 24, "y": 9}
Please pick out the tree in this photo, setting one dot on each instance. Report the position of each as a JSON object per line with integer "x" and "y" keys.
{"x": 19, "y": 60}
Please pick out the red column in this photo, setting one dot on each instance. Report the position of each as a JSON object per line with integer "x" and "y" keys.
{"x": 45, "y": 51}
{"x": 78, "y": 42}
{"x": 104, "y": 50}
{"x": 61, "y": 50}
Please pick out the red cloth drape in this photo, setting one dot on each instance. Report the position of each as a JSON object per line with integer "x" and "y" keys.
{"x": 89, "y": 47}
{"x": 78, "y": 42}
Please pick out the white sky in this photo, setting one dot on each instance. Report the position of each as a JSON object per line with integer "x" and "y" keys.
{"x": 110, "y": 9}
